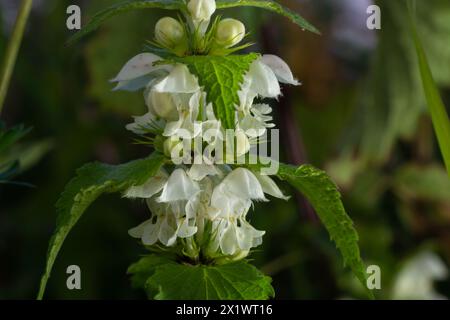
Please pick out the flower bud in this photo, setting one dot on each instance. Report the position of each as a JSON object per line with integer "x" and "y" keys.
{"x": 229, "y": 32}
{"x": 201, "y": 10}
{"x": 169, "y": 32}
{"x": 163, "y": 105}
{"x": 169, "y": 144}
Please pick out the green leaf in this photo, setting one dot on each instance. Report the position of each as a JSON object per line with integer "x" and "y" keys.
{"x": 169, "y": 280}
{"x": 92, "y": 180}
{"x": 271, "y": 6}
{"x": 441, "y": 122}
{"x": 123, "y": 7}
{"x": 221, "y": 77}
{"x": 324, "y": 196}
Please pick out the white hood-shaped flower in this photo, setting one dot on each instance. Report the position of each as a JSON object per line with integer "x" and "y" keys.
{"x": 178, "y": 187}
{"x": 139, "y": 71}
{"x": 179, "y": 80}
{"x": 279, "y": 68}
{"x": 263, "y": 79}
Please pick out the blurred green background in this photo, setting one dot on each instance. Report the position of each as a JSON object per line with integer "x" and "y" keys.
{"x": 360, "y": 114}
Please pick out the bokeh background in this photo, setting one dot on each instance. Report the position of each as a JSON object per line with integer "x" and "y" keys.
{"x": 360, "y": 114}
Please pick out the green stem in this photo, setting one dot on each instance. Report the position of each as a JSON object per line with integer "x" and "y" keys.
{"x": 13, "y": 48}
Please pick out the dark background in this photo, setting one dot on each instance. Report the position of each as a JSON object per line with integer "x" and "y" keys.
{"x": 360, "y": 114}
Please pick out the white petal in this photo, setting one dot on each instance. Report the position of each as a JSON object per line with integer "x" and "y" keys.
{"x": 242, "y": 143}
{"x": 145, "y": 123}
{"x": 270, "y": 187}
{"x": 150, "y": 234}
{"x": 167, "y": 232}
{"x": 252, "y": 126}
{"x": 179, "y": 80}
{"x": 178, "y": 187}
{"x": 137, "y": 232}
{"x": 243, "y": 184}
{"x": 149, "y": 188}
{"x": 140, "y": 82}
{"x": 163, "y": 104}
{"x": 137, "y": 66}
{"x": 185, "y": 230}
{"x": 228, "y": 240}
{"x": 280, "y": 68}
{"x": 199, "y": 171}
{"x": 263, "y": 80}
{"x": 244, "y": 235}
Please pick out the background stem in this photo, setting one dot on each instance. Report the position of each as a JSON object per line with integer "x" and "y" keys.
{"x": 13, "y": 48}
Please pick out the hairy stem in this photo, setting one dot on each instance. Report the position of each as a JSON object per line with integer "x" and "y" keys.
{"x": 13, "y": 48}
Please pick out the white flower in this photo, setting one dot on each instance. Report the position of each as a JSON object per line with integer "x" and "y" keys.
{"x": 139, "y": 71}
{"x": 242, "y": 143}
{"x": 229, "y": 32}
{"x": 169, "y": 32}
{"x": 237, "y": 235}
{"x": 179, "y": 80}
{"x": 187, "y": 126}
{"x": 162, "y": 104}
{"x": 415, "y": 280}
{"x": 269, "y": 186}
{"x": 151, "y": 187}
{"x": 201, "y": 10}
{"x": 179, "y": 186}
{"x": 279, "y": 68}
{"x": 145, "y": 124}
{"x": 263, "y": 79}
{"x": 199, "y": 171}
{"x": 256, "y": 121}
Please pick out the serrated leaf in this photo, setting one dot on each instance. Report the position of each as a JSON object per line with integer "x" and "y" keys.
{"x": 271, "y": 6}
{"x": 123, "y": 7}
{"x": 221, "y": 77}
{"x": 324, "y": 196}
{"x": 92, "y": 180}
{"x": 169, "y": 280}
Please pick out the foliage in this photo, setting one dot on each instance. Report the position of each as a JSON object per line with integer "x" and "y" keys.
{"x": 93, "y": 180}
{"x": 221, "y": 76}
{"x": 165, "y": 279}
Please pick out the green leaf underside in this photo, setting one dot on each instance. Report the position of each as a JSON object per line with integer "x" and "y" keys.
{"x": 439, "y": 117}
{"x": 92, "y": 180}
{"x": 123, "y": 7}
{"x": 271, "y": 6}
{"x": 221, "y": 77}
{"x": 165, "y": 279}
{"x": 324, "y": 196}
